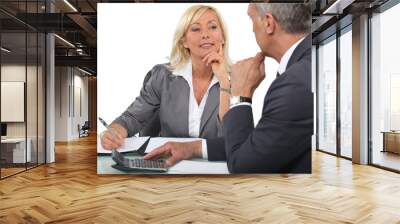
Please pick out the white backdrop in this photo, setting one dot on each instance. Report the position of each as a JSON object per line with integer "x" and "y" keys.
{"x": 133, "y": 37}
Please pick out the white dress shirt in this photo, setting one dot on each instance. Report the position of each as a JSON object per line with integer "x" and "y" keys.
{"x": 195, "y": 110}
{"x": 282, "y": 65}
{"x": 286, "y": 57}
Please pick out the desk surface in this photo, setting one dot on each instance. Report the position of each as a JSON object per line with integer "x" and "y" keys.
{"x": 13, "y": 140}
{"x": 391, "y": 132}
{"x": 195, "y": 166}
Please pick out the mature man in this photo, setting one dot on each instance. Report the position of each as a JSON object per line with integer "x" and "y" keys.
{"x": 281, "y": 141}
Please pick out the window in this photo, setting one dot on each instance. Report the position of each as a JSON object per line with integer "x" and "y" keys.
{"x": 327, "y": 96}
{"x": 346, "y": 93}
{"x": 385, "y": 89}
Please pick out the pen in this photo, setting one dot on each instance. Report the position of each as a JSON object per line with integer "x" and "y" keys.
{"x": 108, "y": 127}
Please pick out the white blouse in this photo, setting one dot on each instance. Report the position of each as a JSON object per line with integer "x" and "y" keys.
{"x": 195, "y": 110}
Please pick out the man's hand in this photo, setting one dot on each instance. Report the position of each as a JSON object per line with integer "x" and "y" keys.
{"x": 176, "y": 151}
{"x": 247, "y": 75}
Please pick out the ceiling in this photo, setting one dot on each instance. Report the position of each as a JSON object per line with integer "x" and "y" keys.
{"x": 75, "y": 21}
{"x": 330, "y": 16}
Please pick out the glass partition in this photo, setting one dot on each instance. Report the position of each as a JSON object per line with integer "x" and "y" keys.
{"x": 22, "y": 77}
{"x": 13, "y": 105}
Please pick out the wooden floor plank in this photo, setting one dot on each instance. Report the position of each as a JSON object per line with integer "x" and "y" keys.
{"x": 70, "y": 191}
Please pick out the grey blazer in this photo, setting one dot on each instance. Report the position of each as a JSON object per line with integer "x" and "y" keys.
{"x": 167, "y": 96}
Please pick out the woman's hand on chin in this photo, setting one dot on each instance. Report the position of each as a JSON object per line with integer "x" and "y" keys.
{"x": 219, "y": 65}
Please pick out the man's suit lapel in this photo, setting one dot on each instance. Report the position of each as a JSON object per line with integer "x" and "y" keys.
{"x": 298, "y": 53}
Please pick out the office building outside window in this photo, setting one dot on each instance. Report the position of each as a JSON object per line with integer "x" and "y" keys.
{"x": 327, "y": 95}
{"x": 346, "y": 93}
{"x": 385, "y": 89}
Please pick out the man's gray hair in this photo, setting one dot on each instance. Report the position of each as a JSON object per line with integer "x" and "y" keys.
{"x": 292, "y": 17}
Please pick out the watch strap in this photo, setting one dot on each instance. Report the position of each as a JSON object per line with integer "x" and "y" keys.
{"x": 243, "y": 99}
{"x": 234, "y": 100}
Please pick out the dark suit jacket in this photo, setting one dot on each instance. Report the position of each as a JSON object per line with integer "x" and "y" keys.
{"x": 281, "y": 141}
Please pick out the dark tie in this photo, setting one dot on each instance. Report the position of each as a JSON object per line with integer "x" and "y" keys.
{"x": 277, "y": 74}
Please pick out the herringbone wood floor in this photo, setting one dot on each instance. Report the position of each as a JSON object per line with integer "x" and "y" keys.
{"x": 70, "y": 191}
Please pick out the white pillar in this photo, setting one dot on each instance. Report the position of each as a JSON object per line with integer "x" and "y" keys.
{"x": 360, "y": 90}
{"x": 50, "y": 93}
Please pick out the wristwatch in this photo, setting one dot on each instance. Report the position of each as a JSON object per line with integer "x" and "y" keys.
{"x": 239, "y": 99}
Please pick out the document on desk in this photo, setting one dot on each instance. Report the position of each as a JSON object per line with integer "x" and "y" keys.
{"x": 199, "y": 167}
{"x": 196, "y": 166}
{"x": 131, "y": 144}
{"x": 159, "y": 141}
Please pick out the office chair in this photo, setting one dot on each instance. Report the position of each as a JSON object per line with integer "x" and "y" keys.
{"x": 84, "y": 130}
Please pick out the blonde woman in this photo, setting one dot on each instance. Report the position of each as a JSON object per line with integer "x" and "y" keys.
{"x": 184, "y": 95}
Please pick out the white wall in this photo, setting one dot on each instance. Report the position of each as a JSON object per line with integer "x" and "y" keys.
{"x": 80, "y": 83}
{"x": 143, "y": 39}
{"x": 61, "y": 103}
{"x": 67, "y": 116}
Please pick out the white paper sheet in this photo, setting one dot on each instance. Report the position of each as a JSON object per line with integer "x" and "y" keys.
{"x": 131, "y": 144}
{"x": 159, "y": 141}
{"x": 199, "y": 167}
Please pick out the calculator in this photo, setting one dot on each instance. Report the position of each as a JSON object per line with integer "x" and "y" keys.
{"x": 137, "y": 164}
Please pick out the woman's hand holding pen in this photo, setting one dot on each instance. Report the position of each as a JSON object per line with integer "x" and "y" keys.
{"x": 115, "y": 138}
{"x": 219, "y": 66}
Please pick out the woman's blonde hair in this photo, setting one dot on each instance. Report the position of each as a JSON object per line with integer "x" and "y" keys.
{"x": 179, "y": 54}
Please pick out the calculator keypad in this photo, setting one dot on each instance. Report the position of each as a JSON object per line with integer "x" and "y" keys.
{"x": 139, "y": 164}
